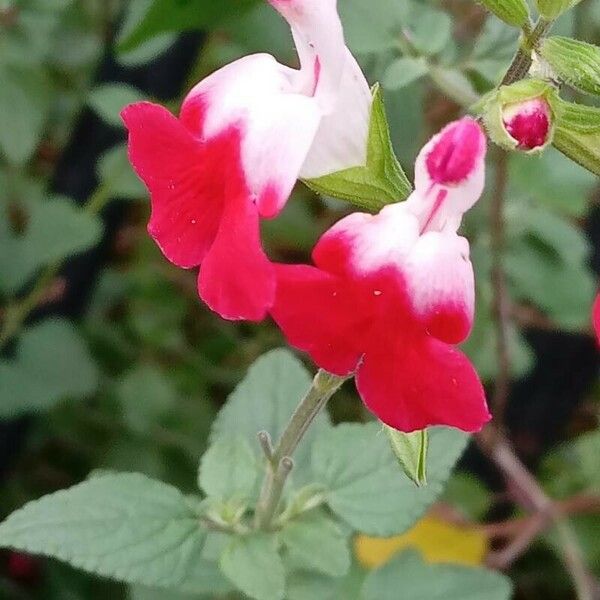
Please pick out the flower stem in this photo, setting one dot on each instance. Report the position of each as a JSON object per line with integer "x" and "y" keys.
{"x": 279, "y": 461}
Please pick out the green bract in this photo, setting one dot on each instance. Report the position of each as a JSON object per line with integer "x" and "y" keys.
{"x": 551, "y": 9}
{"x": 381, "y": 181}
{"x": 527, "y": 89}
{"x": 574, "y": 62}
{"x": 578, "y": 135}
{"x": 411, "y": 451}
{"x": 513, "y": 12}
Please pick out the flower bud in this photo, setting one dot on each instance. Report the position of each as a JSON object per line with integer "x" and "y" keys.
{"x": 528, "y": 122}
{"x": 522, "y": 116}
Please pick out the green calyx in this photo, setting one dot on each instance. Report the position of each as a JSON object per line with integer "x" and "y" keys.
{"x": 507, "y": 100}
{"x": 552, "y": 9}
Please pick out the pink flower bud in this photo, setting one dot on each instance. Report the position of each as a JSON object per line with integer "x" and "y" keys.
{"x": 528, "y": 122}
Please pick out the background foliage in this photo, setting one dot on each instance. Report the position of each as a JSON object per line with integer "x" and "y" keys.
{"x": 109, "y": 362}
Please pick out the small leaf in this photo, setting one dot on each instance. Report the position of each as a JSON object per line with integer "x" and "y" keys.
{"x": 265, "y": 401}
{"x": 316, "y": 543}
{"x": 574, "y": 62}
{"x": 110, "y": 99}
{"x": 123, "y": 526}
{"x": 165, "y": 15}
{"x": 39, "y": 376}
{"x": 411, "y": 451}
{"x": 382, "y": 181}
{"x": 115, "y": 172}
{"x": 146, "y": 395}
{"x": 421, "y": 581}
{"x": 369, "y": 492}
{"x": 25, "y": 96}
{"x": 513, "y": 12}
{"x": 56, "y": 229}
{"x": 254, "y": 566}
{"x": 552, "y": 9}
{"x": 228, "y": 469}
{"x": 404, "y": 71}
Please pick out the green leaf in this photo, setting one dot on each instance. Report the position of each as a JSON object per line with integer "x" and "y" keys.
{"x": 183, "y": 15}
{"x": 552, "y": 9}
{"x": 421, "y": 581}
{"x": 316, "y": 543}
{"x": 146, "y": 395}
{"x": 382, "y": 181}
{"x": 512, "y": 12}
{"x": 110, "y": 99}
{"x": 228, "y": 469}
{"x": 123, "y": 526}
{"x": 25, "y": 96}
{"x": 304, "y": 585}
{"x": 254, "y": 566}
{"x": 404, "y": 71}
{"x": 494, "y": 50}
{"x": 265, "y": 401}
{"x": 428, "y": 29}
{"x": 39, "y": 376}
{"x": 576, "y": 63}
{"x": 368, "y": 491}
{"x": 115, "y": 172}
{"x": 470, "y": 495}
{"x": 55, "y": 229}
{"x": 411, "y": 451}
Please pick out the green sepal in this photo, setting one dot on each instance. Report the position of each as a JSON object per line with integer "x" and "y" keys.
{"x": 574, "y": 62}
{"x": 411, "y": 451}
{"x": 578, "y": 135}
{"x": 521, "y": 91}
{"x": 552, "y": 9}
{"x": 513, "y": 12}
{"x": 381, "y": 181}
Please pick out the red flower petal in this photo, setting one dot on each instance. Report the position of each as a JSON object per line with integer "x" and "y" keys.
{"x": 189, "y": 181}
{"x": 236, "y": 278}
{"x": 596, "y": 317}
{"x": 414, "y": 383}
{"x": 321, "y": 314}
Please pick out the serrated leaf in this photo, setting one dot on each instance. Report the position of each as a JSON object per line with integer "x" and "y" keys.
{"x": 228, "y": 469}
{"x": 404, "y": 71}
{"x": 317, "y": 543}
{"x": 421, "y": 581}
{"x": 411, "y": 451}
{"x": 382, "y": 181}
{"x": 123, "y": 526}
{"x": 552, "y": 9}
{"x": 575, "y": 62}
{"x": 370, "y": 492}
{"x": 512, "y": 12}
{"x": 254, "y": 566}
{"x": 55, "y": 229}
{"x": 265, "y": 401}
{"x": 110, "y": 99}
{"x": 39, "y": 376}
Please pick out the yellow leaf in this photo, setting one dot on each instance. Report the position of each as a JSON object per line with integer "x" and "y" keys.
{"x": 438, "y": 541}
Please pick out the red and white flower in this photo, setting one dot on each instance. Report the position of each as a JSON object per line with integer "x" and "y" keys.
{"x": 244, "y": 136}
{"x": 391, "y": 294}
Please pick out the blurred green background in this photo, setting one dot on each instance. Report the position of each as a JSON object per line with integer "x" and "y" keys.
{"x": 109, "y": 360}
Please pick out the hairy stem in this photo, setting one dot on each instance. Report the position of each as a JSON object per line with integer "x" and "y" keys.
{"x": 279, "y": 460}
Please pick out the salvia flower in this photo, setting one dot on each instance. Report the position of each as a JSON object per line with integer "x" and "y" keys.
{"x": 244, "y": 136}
{"x": 391, "y": 294}
{"x": 528, "y": 122}
{"x": 521, "y": 116}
